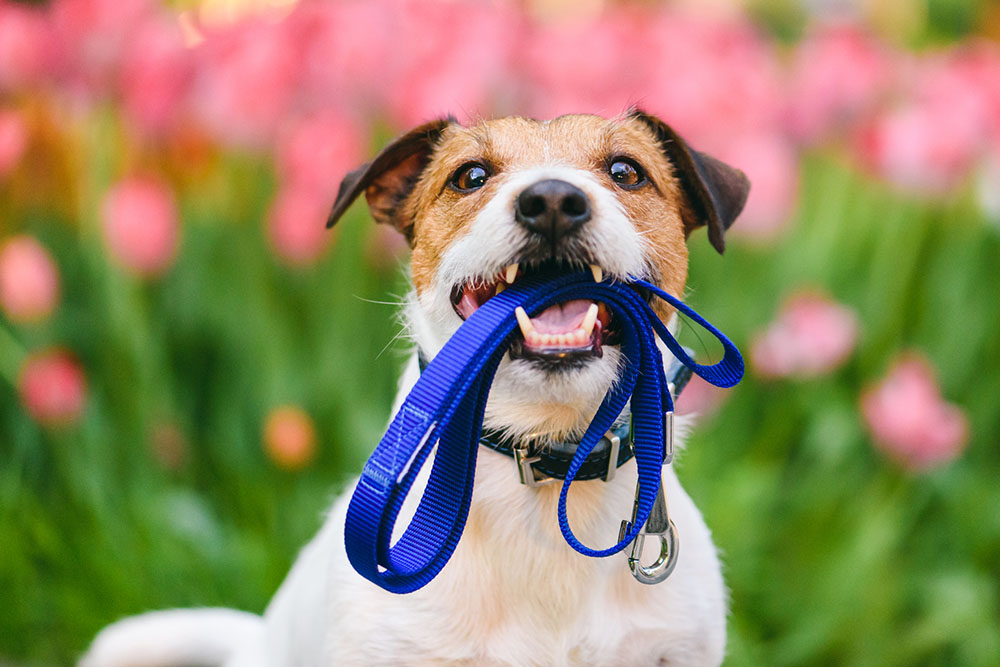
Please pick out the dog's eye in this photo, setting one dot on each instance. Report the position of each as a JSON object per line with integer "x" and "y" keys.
{"x": 469, "y": 177}
{"x": 626, "y": 173}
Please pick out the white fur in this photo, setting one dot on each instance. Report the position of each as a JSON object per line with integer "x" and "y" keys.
{"x": 513, "y": 593}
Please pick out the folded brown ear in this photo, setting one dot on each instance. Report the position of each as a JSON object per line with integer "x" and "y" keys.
{"x": 390, "y": 177}
{"x": 715, "y": 191}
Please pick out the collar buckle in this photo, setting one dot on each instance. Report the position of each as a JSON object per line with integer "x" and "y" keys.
{"x": 525, "y": 456}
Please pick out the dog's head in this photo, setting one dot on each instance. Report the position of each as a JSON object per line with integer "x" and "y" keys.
{"x": 482, "y": 205}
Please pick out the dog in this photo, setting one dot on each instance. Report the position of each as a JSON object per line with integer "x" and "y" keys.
{"x": 482, "y": 205}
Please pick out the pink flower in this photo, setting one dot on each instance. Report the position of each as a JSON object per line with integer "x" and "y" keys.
{"x": 90, "y": 36}
{"x": 700, "y": 398}
{"x": 449, "y": 59}
{"x": 156, "y": 72}
{"x": 772, "y": 165}
{"x": 318, "y": 151}
{"x": 909, "y": 420}
{"x": 586, "y": 65}
{"x": 297, "y": 225}
{"x": 53, "y": 387}
{"x": 13, "y": 140}
{"x": 29, "y": 280}
{"x": 347, "y": 50}
{"x": 715, "y": 80}
{"x": 141, "y": 225}
{"x": 812, "y": 335}
{"x": 25, "y": 45}
{"x": 290, "y": 437}
{"x": 928, "y": 144}
{"x": 246, "y": 79}
{"x": 839, "y": 72}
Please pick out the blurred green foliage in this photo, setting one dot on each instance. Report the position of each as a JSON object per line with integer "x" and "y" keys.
{"x": 833, "y": 554}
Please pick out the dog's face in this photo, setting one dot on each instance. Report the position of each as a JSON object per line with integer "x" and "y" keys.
{"x": 483, "y": 205}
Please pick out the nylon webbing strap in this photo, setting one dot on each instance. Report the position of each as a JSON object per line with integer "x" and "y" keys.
{"x": 445, "y": 408}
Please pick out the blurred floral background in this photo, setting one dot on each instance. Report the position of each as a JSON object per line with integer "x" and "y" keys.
{"x": 191, "y": 366}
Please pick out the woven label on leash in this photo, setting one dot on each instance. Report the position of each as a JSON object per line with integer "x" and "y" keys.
{"x": 446, "y": 408}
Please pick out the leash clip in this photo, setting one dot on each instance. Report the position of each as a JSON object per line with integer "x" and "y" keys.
{"x": 659, "y": 525}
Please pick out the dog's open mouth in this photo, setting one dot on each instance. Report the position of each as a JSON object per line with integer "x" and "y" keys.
{"x": 570, "y": 331}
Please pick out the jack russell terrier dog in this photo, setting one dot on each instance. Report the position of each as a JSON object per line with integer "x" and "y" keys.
{"x": 481, "y": 206}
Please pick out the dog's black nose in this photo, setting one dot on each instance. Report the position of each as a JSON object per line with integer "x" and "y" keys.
{"x": 552, "y": 209}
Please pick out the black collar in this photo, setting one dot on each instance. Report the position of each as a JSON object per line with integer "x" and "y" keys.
{"x": 551, "y": 458}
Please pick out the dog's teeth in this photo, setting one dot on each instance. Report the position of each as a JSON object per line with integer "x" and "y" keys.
{"x": 561, "y": 339}
{"x": 579, "y": 337}
{"x": 527, "y": 328}
{"x": 510, "y": 273}
{"x": 501, "y": 286}
{"x": 587, "y": 326}
{"x": 547, "y": 339}
{"x": 598, "y": 273}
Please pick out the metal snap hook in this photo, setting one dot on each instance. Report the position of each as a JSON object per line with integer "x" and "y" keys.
{"x": 666, "y": 561}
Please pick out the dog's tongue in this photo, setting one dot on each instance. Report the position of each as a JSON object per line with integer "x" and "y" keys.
{"x": 562, "y": 317}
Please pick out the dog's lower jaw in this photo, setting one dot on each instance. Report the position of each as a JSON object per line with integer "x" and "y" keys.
{"x": 513, "y": 593}
{"x": 526, "y": 398}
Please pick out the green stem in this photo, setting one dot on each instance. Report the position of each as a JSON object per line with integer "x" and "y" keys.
{"x": 12, "y": 355}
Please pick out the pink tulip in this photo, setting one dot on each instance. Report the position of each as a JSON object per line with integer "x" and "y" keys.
{"x": 909, "y": 420}
{"x": 812, "y": 335}
{"x": 700, "y": 399}
{"x": 53, "y": 387}
{"x": 90, "y": 37}
{"x": 245, "y": 82}
{"x": 13, "y": 140}
{"x": 156, "y": 72}
{"x": 929, "y": 144}
{"x": 141, "y": 225}
{"x": 25, "y": 45}
{"x": 290, "y": 437}
{"x": 585, "y": 65}
{"x": 772, "y": 165}
{"x": 318, "y": 151}
{"x": 838, "y": 73}
{"x": 715, "y": 80}
{"x": 347, "y": 50}
{"x": 29, "y": 280}
{"x": 449, "y": 59}
{"x": 297, "y": 225}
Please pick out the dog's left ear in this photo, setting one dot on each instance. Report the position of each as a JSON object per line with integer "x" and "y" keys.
{"x": 389, "y": 179}
{"x": 715, "y": 191}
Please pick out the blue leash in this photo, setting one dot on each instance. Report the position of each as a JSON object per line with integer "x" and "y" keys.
{"x": 446, "y": 407}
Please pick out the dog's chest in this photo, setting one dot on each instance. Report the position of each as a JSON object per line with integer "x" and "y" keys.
{"x": 515, "y": 594}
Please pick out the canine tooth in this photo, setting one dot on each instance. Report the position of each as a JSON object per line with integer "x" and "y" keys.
{"x": 510, "y": 273}
{"x": 587, "y": 326}
{"x": 501, "y": 286}
{"x": 527, "y": 328}
{"x": 598, "y": 273}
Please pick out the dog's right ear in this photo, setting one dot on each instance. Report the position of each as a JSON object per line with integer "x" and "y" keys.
{"x": 390, "y": 177}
